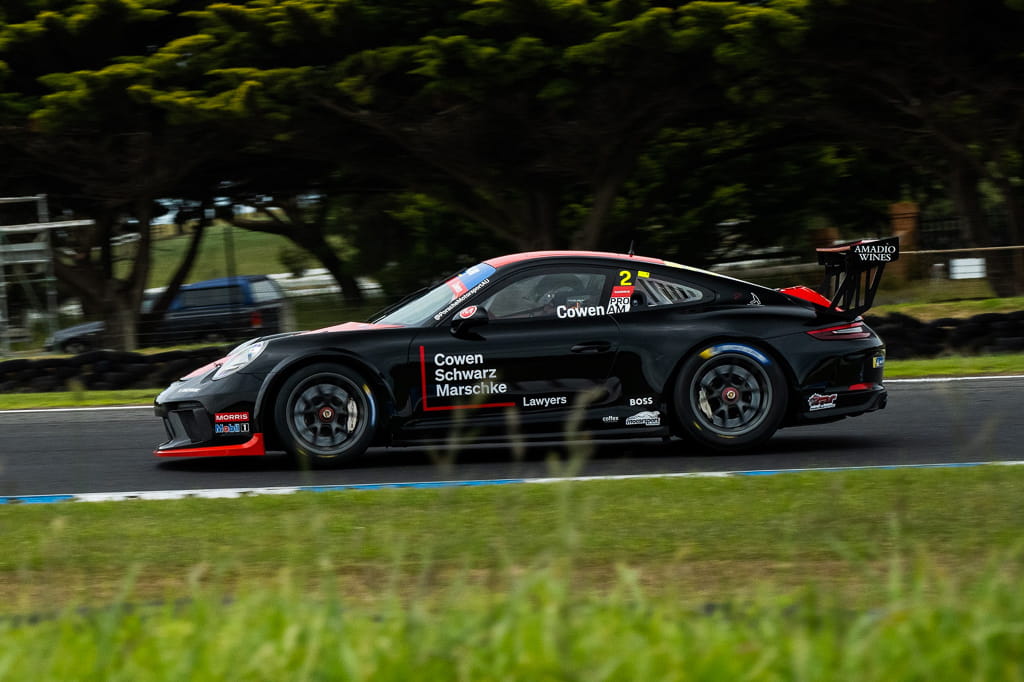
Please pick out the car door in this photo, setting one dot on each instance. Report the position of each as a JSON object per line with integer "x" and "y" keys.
{"x": 542, "y": 346}
{"x": 656, "y": 327}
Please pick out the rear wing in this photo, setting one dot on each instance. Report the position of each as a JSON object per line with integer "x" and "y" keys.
{"x": 853, "y": 272}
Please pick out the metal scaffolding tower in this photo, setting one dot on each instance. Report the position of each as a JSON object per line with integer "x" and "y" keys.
{"x": 27, "y": 257}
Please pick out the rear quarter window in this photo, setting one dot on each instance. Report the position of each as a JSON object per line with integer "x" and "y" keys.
{"x": 660, "y": 291}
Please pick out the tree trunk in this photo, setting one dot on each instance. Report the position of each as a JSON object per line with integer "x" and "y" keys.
{"x": 150, "y": 322}
{"x": 313, "y": 241}
{"x": 968, "y": 205}
{"x": 1015, "y": 223}
{"x": 309, "y": 235}
{"x": 977, "y": 232}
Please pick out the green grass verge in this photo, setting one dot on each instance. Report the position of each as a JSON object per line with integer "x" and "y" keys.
{"x": 954, "y": 366}
{"x": 705, "y": 539}
{"x": 22, "y": 401}
{"x": 957, "y": 309}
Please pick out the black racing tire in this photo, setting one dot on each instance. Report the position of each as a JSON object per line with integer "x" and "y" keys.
{"x": 325, "y": 415}
{"x": 730, "y": 397}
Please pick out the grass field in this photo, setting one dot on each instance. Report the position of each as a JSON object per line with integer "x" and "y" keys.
{"x": 255, "y": 253}
{"x": 866, "y": 575}
{"x": 958, "y": 309}
{"x": 702, "y": 539}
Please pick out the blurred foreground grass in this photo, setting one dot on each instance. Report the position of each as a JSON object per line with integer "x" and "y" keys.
{"x": 861, "y": 575}
{"x": 928, "y": 626}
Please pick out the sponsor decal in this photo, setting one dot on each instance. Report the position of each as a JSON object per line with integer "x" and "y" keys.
{"x": 878, "y": 361}
{"x": 549, "y": 401}
{"x": 564, "y": 312}
{"x": 649, "y": 418}
{"x": 457, "y": 287}
{"x": 468, "y": 312}
{"x": 450, "y": 370}
{"x": 610, "y": 419}
{"x": 754, "y": 300}
{"x": 459, "y": 299}
{"x": 483, "y": 388}
{"x": 879, "y": 253}
{"x": 646, "y": 400}
{"x": 642, "y": 273}
{"x": 232, "y": 428}
{"x": 231, "y": 417}
{"x": 735, "y": 348}
{"x": 620, "y": 299}
{"x": 819, "y": 401}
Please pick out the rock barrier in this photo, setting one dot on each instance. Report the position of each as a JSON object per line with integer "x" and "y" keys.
{"x": 983, "y": 334}
{"x": 103, "y": 370}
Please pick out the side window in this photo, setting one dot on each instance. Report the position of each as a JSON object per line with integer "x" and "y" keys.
{"x": 548, "y": 295}
{"x": 195, "y": 298}
{"x": 649, "y": 290}
{"x": 265, "y": 291}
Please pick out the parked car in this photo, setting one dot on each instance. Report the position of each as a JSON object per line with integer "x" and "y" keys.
{"x": 521, "y": 346}
{"x": 215, "y": 310}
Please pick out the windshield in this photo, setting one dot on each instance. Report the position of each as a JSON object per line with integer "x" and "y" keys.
{"x": 433, "y": 305}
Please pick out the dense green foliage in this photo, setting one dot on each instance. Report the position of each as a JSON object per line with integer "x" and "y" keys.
{"x": 444, "y": 131}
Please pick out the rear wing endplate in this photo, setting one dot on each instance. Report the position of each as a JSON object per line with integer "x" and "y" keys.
{"x": 853, "y": 272}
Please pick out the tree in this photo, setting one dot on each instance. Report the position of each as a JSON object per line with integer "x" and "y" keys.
{"x": 508, "y": 112}
{"x": 73, "y": 119}
{"x": 935, "y": 84}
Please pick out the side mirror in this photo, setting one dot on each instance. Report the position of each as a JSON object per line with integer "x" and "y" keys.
{"x": 467, "y": 318}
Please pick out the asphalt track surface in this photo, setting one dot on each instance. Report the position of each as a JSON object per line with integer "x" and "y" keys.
{"x": 92, "y": 451}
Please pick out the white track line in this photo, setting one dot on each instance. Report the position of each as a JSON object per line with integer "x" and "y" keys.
{"x": 221, "y": 493}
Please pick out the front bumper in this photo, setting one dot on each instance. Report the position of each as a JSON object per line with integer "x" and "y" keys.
{"x": 204, "y": 418}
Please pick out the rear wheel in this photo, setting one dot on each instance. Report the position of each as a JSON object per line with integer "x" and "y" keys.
{"x": 730, "y": 397}
{"x": 325, "y": 415}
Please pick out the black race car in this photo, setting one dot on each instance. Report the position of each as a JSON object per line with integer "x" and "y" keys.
{"x": 547, "y": 344}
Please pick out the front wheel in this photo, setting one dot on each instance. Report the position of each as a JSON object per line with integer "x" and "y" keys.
{"x": 730, "y": 397}
{"x": 325, "y": 415}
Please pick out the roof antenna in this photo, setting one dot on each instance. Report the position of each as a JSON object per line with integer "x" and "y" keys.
{"x": 630, "y": 254}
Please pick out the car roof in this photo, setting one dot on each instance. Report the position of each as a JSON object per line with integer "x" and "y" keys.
{"x": 223, "y": 281}
{"x": 501, "y": 261}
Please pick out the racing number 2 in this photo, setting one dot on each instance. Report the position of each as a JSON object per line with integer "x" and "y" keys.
{"x": 626, "y": 278}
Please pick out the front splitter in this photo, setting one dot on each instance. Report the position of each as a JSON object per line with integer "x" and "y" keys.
{"x": 251, "y": 448}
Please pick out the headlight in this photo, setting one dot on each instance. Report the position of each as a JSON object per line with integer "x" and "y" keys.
{"x": 239, "y": 358}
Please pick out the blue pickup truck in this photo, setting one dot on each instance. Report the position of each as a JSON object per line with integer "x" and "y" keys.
{"x": 214, "y": 311}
